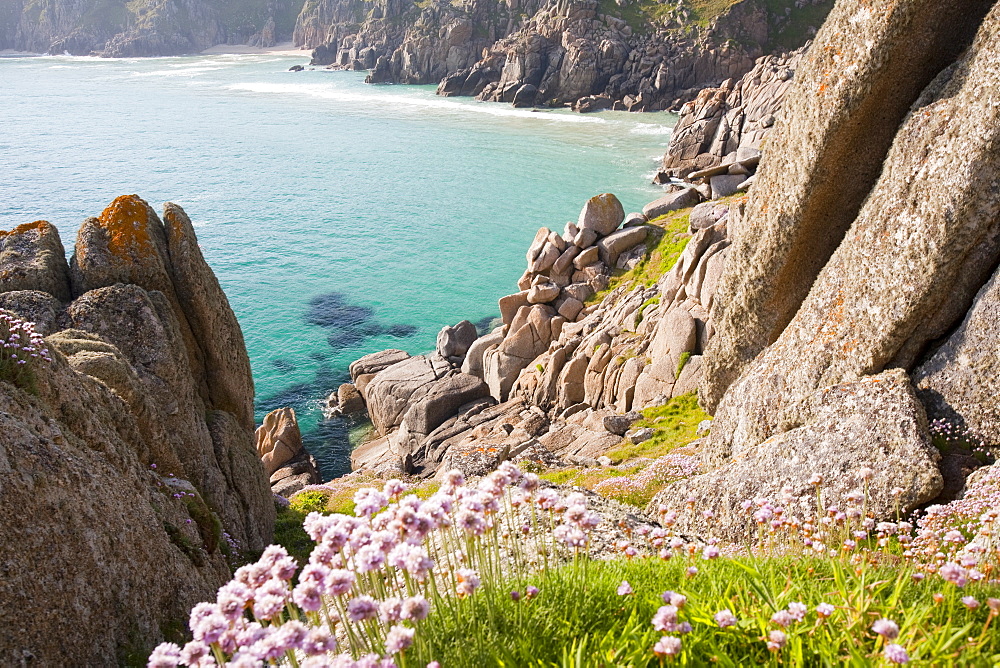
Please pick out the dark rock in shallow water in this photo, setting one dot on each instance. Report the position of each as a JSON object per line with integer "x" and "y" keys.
{"x": 295, "y": 68}
{"x": 283, "y": 366}
{"x": 330, "y": 310}
{"x": 401, "y": 331}
{"x": 483, "y": 325}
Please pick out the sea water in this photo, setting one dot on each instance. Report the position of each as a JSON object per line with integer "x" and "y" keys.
{"x": 340, "y": 218}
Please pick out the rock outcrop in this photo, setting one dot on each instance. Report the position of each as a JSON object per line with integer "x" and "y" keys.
{"x": 720, "y": 122}
{"x": 145, "y": 28}
{"x": 553, "y": 385}
{"x": 873, "y": 225}
{"x": 130, "y": 454}
{"x": 553, "y": 52}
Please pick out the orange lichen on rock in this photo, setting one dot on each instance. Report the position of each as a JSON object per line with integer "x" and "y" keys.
{"x": 43, "y": 226}
{"x": 126, "y": 222}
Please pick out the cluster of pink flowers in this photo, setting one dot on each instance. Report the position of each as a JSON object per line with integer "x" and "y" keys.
{"x": 370, "y": 578}
{"x": 20, "y": 344}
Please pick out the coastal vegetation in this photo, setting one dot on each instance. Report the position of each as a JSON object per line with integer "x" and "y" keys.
{"x": 500, "y": 573}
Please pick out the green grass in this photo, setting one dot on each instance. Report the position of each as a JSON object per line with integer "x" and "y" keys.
{"x": 288, "y": 533}
{"x": 666, "y": 241}
{"x": 674, "y": 425}
{"x": 578, "y": 619}
{"x": 681, "y": 363}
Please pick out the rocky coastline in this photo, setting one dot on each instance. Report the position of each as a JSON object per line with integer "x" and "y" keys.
{"x": 821, "y": 271}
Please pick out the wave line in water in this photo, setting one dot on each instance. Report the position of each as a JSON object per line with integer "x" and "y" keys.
{"x": 329, "y": 93}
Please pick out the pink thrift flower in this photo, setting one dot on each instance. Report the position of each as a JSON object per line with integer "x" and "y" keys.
{"x": 339, "y": 582}
{"x": 824, "y": 610}
{"x": 970, "y": 602}
{"x": 710, "y": 552}
{"x": 665, "y": 618}
{"x": 390, "y": 610}
{"x": 782, "y": 618}
{"x": 319, "y": 641}
{"x": 725, "y": 618}
{"x": 797, "y": 611}
{"x": 886, "y": 628}
{"x": 954, "y": 574}
{"x": 994, "y": 605}
{"x": 691, "y": 571}
{"x": 776, "y": 640}
{"x": 362, "y": 608}
{"x": 415, "y": 608}
{"x": 624, "y": 589}
{"x": 308, "y": 595}
{"x": 667, "y": 646}
{"x": 398, "y": 639}
{"x": 896, "y": 653}
{"x": 530, "y": 592}
{"x": 166, "y": 655}
{"x": 468, "y": 581}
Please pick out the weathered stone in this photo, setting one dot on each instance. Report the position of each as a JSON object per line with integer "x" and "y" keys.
{"x": 681, "y": 199}
{"x": 587, "y": 257}
{"x": 579, "y": 291}
{"x": 278, "y": 439}
{"x": 543, "y": 293}
{"x": 32, "y": 258}
{"x": 375, "y": 362}
{"x": 952, "y": 383}
{"x": 550, "y": 253}
{"x": 904, "y": 274}
{"x": 634, "y": 219}
{"x": 565, "y": 262}
{"x": 473, "y": 364}
{"x": 875, "y": 423}
{"x": 349, "y": 399}
{"x": 602, "y": 214}
{"x": 640, "y": 435}
{"x": 442, "y": 400}
{"x": 393, "y": 390}
{"x": 611, "y": 246}
{"x": 619, "y": 424}
{"x": 585, "y": 238}
{"x": 828, "y": 158}
{"x": 726, "y": 185}
{"x": 455, "y": 341}
{"x": 570, "y": 308}
{"x": 510, "y": 304}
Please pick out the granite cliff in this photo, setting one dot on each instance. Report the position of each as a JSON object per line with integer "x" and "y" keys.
{"x": 587, "y": 53}
{"x": 127, "y": 463}
{"x": 146, "y": 28}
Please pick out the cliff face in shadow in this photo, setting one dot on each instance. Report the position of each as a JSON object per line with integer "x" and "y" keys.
{"x": 147, "y": 28}
{"x": 127, "y": 462}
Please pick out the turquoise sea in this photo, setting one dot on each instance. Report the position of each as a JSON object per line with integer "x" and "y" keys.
{"x": 340, "y": 218}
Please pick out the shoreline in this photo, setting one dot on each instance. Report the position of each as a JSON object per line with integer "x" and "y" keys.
{"x": 283, "y": 49}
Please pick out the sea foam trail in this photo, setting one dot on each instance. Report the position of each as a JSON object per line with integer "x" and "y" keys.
{"x": 331, "y": 93}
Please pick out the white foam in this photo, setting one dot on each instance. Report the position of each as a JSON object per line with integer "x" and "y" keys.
{"x": 652, "y": 129}
{"x": 331, "y": 93}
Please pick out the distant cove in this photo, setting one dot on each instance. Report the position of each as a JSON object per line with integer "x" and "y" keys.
{"x": 340, "y": 218}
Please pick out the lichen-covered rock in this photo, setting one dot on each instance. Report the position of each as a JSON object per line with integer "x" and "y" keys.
{"x": 874, "y": 423}
{"x": 135, "y": 455}
{"x": 32, "y": 258}
{"x": 863, "y": 74}
{"x": 926, "y": 239}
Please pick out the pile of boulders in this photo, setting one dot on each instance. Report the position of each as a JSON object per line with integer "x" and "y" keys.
{"x": 287, "y": 463}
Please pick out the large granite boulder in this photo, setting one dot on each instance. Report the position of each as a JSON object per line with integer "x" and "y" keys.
{"x": 393, "y": 390}
{"x": 375, "y": 362}
{"x": 868, "y": 68}
{"x": 874, "y": 423}
{"x": 923, "y": 244}
{"x": 455, "y": 341}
